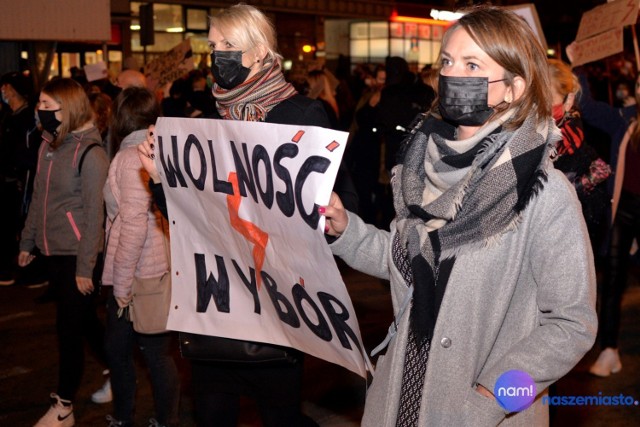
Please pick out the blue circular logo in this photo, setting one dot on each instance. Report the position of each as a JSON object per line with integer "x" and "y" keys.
{"x": 515, "y": 390}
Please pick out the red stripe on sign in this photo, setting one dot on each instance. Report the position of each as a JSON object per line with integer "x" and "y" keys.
{"x": 333, "y": 146}
{"x": 296, "y": 138}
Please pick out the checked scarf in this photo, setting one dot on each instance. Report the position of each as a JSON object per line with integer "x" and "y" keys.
{"x": 253, "y": 99}
{"x": 452, "y": 195}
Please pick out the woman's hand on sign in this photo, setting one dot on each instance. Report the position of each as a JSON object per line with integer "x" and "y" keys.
{"x": 336, "y": 216}
{"x": 147, "y": 156}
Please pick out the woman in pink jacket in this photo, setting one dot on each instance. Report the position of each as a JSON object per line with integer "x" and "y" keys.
{"x": 136, "y": 246}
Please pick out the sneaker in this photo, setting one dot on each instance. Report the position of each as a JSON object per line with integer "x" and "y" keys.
{"x": 608, "y": 363}
{"x": 103, "y": 395}
{"x": 60, "y": 414}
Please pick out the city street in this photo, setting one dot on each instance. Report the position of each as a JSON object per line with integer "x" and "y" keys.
{"x": 332, "y": 395}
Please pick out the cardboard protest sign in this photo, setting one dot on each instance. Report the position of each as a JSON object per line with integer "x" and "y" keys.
{"x": 248, "y": 255}
{"x": 170, "y": 66}
{"x": 598, "y": 47}
{"x": 606, "y": 17}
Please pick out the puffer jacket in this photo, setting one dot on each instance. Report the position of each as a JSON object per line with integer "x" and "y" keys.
{"x": 135, "y": 230}
{"x": 66, "y": 215}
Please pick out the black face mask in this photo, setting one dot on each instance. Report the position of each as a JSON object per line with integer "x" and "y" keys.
{"x": 464, "y": 100}
{"x": 48, "y": 121}
{"x": 227, "y": 68}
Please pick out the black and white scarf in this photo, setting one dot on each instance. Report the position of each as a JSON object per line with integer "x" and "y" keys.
{"x": 451, "y": 195}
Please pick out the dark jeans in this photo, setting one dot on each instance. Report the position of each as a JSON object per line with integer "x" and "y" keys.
{"x": 626, "y": 227}
{"x": 10, "y": 226}
{"x": 76, "y": 321}
{"x": 276, "y": 390}
{"x": 156, "y": 350}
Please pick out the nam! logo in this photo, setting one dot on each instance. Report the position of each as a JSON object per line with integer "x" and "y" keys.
{"x": 515, "y": 390}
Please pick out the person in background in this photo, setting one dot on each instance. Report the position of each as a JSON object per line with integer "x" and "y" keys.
{"x": 65, "y": 222}
{"x": 364, "y": 150}
{"x": 200, "y": 97}
{"x": 320, "y": 89}
{"x": 129, "y": 78}
{"x": 624, "y": 94}
{"x": 576, "y": 158}
{"x": 625, "y": 219}
{"x": 101, "y": 106}
{"x": 481, "y": 218}
{"x": 177, "y": 103}
{"x": 250, "y": 86}
{"x": 136, "y": 247}
{"x": 14, "y": 159}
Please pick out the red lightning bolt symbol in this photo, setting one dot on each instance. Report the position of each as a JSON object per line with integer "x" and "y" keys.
{"x": 249, "y": 230}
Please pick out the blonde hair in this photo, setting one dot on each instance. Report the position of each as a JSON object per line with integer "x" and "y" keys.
{"x": 509, "y": 41}
{"x": 562, "y": 79}
{"x": 246, "y": 27}
{"x": 74, "y": 103}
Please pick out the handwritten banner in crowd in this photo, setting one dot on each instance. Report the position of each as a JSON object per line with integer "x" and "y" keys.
{"x": 598, "y": 47}
{"x": 169, "y": 67}
{"x": 608, "y": 16}
{"x": 248, "y": 255}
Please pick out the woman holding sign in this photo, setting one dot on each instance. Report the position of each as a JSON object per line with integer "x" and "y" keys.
{"x": 249, "y": 85}
{"x": 486, "y": 320}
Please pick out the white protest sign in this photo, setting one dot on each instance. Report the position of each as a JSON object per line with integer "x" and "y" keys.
{"x": 598, "y": 47}
{"x": 170, "y": 66}
{"x": 248, "y": 255}
{"x": 96, "y": 71}
{"x": 606, "y": 17}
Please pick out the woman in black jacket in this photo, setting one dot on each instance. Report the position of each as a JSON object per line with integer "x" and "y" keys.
{"x": 250, "y": 86}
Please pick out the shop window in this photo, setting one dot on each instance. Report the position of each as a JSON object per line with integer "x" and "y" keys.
{"x": 197, "y": 19}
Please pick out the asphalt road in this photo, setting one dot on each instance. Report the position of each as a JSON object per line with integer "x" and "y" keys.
{"x": 332, "y": 395}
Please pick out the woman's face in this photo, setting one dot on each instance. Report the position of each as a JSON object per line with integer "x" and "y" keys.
{"x": 218, "y": 42}
{"x": 47, "y": 103}
{"x": 462, "y": 57}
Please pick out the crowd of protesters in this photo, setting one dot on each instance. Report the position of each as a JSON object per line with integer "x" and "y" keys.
{"x": 377, "y": 104}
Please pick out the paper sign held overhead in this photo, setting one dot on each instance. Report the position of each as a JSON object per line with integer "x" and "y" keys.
{"x": 606, "y": 17}
{"x": 170, "y": 66}
{"x": 598, "y": 47}
{"x": 96, "y": 71}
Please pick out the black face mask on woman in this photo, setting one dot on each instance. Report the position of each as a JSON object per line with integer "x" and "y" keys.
{"x": 464, "y": 100}
{"x": 227, "y": 68}
{"x": 48, "y": 121}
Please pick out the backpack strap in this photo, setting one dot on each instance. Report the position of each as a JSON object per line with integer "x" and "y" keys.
{"x": 89, "y": 148}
